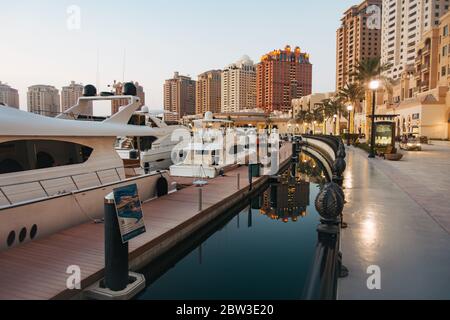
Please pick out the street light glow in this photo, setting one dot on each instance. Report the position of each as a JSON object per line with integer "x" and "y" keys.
{"x": 350, "y": 107}
{"x": 374, "y": 84}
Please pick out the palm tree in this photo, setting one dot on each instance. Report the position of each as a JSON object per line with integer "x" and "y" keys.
{"x": 352, "y": 93}
{"x": 368, "y": 70}
{"x": 300, "y": 118}
{"x": 334, "y": 108}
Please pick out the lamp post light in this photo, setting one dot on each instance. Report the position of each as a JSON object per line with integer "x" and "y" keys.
{"x": 373, "y": 85}
{"x": 349, "y": 109}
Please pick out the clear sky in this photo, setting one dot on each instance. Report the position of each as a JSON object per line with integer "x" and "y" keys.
{"x": 159, "y": 37}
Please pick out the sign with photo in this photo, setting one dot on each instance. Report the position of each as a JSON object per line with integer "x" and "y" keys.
{"x": 129, "y": 212}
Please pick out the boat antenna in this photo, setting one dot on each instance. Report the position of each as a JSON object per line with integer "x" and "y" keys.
{"x": 124, "y": 64}
{"x": 97, "y": 81}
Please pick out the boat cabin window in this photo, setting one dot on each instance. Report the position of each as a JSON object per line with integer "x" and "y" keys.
{"x": 145, "y": 143}
{"x": 24, "y": 155}
{"x": 137, "y": 120}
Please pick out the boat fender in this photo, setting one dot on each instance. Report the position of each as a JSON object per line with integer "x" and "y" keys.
{"x": 162, "y": 187}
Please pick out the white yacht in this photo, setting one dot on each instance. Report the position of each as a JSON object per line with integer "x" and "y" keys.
{"x": 148, "y": 153}
{"x": 208, "y": 154}
{"x": 55, "y": 172}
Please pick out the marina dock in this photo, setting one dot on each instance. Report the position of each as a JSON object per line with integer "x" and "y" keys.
{"x": 38, "y": 270}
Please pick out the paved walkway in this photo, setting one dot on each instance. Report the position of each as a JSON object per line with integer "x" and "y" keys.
{"x": 399, "y": 220}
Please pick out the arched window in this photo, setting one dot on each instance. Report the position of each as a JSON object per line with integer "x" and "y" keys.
{"x": 25, "y": 155}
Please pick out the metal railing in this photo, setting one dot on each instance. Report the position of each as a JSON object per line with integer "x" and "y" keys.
{"x": 41, "y": 183}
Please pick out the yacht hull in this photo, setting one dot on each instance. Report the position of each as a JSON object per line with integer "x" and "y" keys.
{"x": 55, "y": 214}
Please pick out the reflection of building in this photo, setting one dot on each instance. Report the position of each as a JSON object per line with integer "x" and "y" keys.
{"x": 70, "y": 95}
{"x": 208, "y": 91}
{"x": 9, "y": 96}
{"x": 286, "y": 200}
{"x": 357, "y": 39}
{"x": 283, "y": 75}
{"x": 118, "y": 89}
{"x": 179, "y": 97}
{"x": 43, "y": 100}
{"x": 239, "y": 86}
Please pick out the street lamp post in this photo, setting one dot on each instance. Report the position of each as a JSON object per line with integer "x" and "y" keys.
{"x": 349, "y": 109}
{"x": 373, "y": 85}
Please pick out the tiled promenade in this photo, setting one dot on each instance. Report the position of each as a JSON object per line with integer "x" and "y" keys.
{"x": 399, "y": 220}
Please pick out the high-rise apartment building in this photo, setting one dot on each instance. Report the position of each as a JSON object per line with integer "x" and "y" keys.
{"x": 444, "y": 51}
{"x": 70, "y": 95}
{"x": 239, "y": 86}
{"x": 282, "y": 75}
{"x": 404, "y": 24}
{"x": 208, "y": 92}
{"x": 43, "y": 100}
{"x": 9, "y": 96}
{"x": 118, "y": 89}
{"x": 358, "y": 38}
{"x": 179, "y": 97}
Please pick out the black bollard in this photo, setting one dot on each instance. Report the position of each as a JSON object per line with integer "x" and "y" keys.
{"x": 250, "y": 176}
{"x": 116, "y": 252}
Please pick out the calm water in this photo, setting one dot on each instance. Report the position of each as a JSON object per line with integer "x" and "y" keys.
{"x": 262, "y": 251}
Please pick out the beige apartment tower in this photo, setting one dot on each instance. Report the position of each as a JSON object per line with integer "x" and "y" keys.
{"x": 404, "y": 24}
{"x": 70, "y": 95}
{"x": 179, "y": 97}
{"x": 208, "y": 92}
{"x": 239, "y": 86}
{"x": 43, "y": 100}
{"x": 9, "y": 96}
{"x": 358, "y": 38}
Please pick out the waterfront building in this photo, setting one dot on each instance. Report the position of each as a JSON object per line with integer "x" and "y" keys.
{"x": 404, "y": 24}
{"x": 444, "y": 51}
{"x": 310, "y": 102}
{"x": 427, "y": 61}
{"x": 283, "y": 75}
{"x": 9, "y": 96}
{"x": 118, "y": 89}
{"x": 179, "y": 97}
{"x": 358, "y": 38}
{"x": 43, "y": 100}
{"x": 239, "y": 86}
{"x": 70, "y": 95}
{"x": 208, "y": 92}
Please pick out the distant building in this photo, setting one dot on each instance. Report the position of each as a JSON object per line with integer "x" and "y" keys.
{"x": 9, "y": 96}
{"x": 179, "y": 97}
{"x": 118, "y": 89}
{"x": 43, "y": 100}
{"x": 239, "y": 86}
{"x": 358, "y": 38}
{"x": 282, "y": 75}
{"x": 208, "y": 92}
{"x": 70, "y": 95}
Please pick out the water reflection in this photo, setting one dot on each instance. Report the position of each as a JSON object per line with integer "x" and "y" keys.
{"x": 235, "y": 256}
{"x": 288, "y": 198}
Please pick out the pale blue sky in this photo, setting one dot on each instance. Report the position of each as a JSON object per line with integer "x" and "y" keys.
{"x": 160, "y": 37}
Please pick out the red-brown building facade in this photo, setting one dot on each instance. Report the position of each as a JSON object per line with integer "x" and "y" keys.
{"x": 283, "y": 75}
